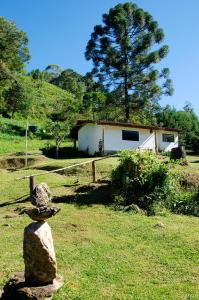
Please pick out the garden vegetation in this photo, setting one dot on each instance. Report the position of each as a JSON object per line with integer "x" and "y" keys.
{"x": 154, "y": 185}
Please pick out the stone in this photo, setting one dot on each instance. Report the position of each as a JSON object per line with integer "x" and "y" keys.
{"x": 40, "y": 213}
{"x": 159, "y": 224}
{"x": 40, "y": 280}
{"x": 134, "y": 208}
{"x": 41, "y": 195}
{"x": 39, "y": 254}
{"x": 16, "y": 289}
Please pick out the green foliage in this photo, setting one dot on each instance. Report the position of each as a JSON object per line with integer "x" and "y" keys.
{"x": 58, "y": 131}
{"x": 186, "y": 121}
{"x": 187, "y": 203}
{"x": 13, "y": 46}
{"x": 6, "y": 78}
{"x": 142, "y": 179}
{"x": 94, "y": 99}
{"x": 46, "y": 100}
{"x": 72, "y": 82}
{"x": 13, "y": 55}
{"x": 16, "y": 99}
{"x": 52, "y": 71}
{"x": 124, "y": 52}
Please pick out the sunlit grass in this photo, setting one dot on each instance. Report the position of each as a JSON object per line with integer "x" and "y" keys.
{"x": 102, "y": 253}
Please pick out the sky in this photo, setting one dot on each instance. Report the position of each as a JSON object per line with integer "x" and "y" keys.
{"x": 58, "y": 31}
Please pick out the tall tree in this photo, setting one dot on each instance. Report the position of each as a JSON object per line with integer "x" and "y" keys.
{"x": 58, "y": 131}
{"x": 124, "y": 51}
{"x": 13, "y": 56}
{"x": 16, "y": 99}
{"x": 13, "y": 46}
{"x": 52, "y": 71}
{"x": 94, "y": 98}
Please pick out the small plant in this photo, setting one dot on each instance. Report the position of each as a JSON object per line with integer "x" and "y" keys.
{"x": 58, "y": 131}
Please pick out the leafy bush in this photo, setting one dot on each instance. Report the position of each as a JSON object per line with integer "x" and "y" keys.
{"x": 187, "y": 203}
{"x": 141, "y": 178}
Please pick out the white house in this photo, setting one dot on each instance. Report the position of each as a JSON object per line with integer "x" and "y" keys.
{"x": 109, "y": 137}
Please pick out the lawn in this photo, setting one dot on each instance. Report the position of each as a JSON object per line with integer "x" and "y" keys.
{"x": 102, "y": 253}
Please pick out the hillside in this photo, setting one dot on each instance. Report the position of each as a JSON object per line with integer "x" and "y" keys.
{"x": 45, "y": 99}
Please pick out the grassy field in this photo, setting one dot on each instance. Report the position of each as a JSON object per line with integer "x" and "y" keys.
{"x": 102, "y": 253}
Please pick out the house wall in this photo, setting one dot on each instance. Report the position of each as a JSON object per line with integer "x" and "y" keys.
{"x": 88, "y": 138}
{"x": 90, "y": 135}
{"x": 166, "y": 146}
{"x": 113, "y": 139}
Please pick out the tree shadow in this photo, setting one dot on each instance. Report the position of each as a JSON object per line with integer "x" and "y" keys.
{"x": 64, "y": 152}
{"x": 195, "y": 161}
{"x": 16, "y": 201}
{"x": 47, "y": 168}
{"x": 88, "y": 195}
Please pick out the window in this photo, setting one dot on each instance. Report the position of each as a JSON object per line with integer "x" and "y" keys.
{"x": 168, "y": 138}
{"x": 130, "y": 135}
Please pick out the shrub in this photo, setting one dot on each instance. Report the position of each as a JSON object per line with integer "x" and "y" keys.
{"x": 141, "y": 178}
{"x": 187, "y": 203}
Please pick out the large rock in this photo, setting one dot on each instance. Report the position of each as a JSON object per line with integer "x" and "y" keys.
{"x": 39, "y": 255}
{"x": 40, "y": 213}
{"x": 41, "y": 195}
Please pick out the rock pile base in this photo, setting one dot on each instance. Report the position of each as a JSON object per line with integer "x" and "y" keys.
{"x": 17, "y": 289}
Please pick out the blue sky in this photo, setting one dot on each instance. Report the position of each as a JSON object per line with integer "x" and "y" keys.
{"x": 59, "y": 30}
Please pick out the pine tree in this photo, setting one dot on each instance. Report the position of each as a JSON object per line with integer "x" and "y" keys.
{"x": 124, "y": 51}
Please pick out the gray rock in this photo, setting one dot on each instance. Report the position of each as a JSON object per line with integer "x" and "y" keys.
{"x": 41, "y": 195}
{"x": 39, "y": 255}
{"x": 40, "y": 213}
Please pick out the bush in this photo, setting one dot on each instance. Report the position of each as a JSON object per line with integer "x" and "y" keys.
{"x": 187, "y": 203}
{"x": 142, "y": 179}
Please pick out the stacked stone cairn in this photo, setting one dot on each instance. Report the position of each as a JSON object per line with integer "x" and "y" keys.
{"x": 40, "y": 279}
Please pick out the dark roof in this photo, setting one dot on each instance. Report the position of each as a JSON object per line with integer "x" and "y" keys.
{"x": 81, "y": 123}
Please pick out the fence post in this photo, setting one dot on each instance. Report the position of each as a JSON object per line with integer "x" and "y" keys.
{"x": 32, "y": 184}
{"x": 94, "y": 170}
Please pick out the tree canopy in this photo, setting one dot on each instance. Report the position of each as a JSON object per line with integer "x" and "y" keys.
{"x": 124, "y": 51}
{"x": 186, "y": 121}
{"x": 13, "y": 46}
{"x": 13, "y": 56}
{"x": 70, "y": 81}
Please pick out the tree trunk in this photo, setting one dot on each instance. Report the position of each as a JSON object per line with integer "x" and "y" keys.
{"x": 126, "y": 99}
{"x": 57, "y": 151}
{"x": 126, "y": 95}
{"x": 75, "y": 144}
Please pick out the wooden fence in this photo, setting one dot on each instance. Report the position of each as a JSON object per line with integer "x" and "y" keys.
{"x": 32, "y": 181}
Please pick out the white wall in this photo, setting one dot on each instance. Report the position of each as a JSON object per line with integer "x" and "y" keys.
{"x": 90, "y": 135}
{"x": 88, "y": 138}
{"x": 166, "y": 146}
{"x": 113, "y": 139}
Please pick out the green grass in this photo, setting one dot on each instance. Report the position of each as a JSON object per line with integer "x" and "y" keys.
{"x": 102, "y": 253}
{"x": 11, "y": 144}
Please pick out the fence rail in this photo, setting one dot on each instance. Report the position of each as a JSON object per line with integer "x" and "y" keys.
{"x": 92, "y": 162}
